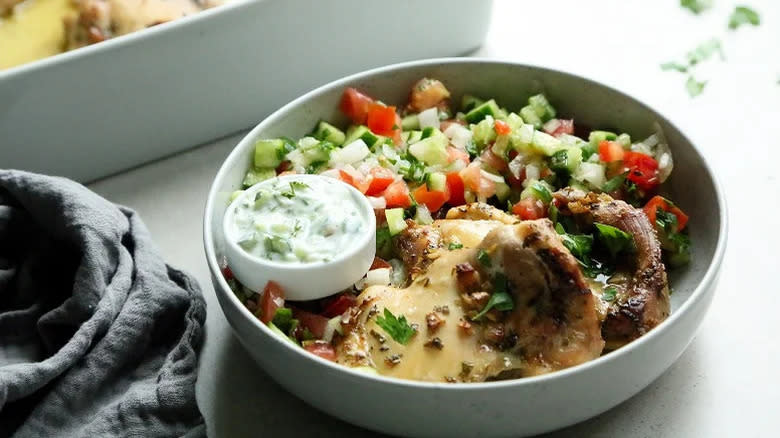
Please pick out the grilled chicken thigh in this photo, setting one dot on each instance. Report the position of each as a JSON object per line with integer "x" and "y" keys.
{"x": 554, "y": 323}
{"x": 643, "y": 299}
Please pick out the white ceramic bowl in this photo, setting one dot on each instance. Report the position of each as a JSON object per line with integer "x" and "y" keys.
{"x": 305, "y": 281}
{"x": 506, "y": 408}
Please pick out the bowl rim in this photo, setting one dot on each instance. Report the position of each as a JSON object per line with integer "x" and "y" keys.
{"x": 697, "y": 295}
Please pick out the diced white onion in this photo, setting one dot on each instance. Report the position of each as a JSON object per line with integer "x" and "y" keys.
{"x": 378, "y": 277}
{"x": 551, "y": 126}
{"x": 665, "y": 166}
{"x": 532, "y": 172}
{"x": 333, "y": 327}
{"x": 642, "y": 148}
{"x": 397, "y": 273}
{"x": 516, "y": 165}
{"x": 459, "y": 135}
{"x": 429, "y": 118}
{"x": 423, "y": 215}
{"x": 296, "y": 158}
{"x": 377, "y": 202}
{"x": 651, "y": 141}
{"x": 591, "y": 173}
{"x": 491, "y": 176}
{"x": 307, "y": 142}
{"x": 351, "y": 153}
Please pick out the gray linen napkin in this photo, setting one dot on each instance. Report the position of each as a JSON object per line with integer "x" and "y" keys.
{"x": 98, "y": 336}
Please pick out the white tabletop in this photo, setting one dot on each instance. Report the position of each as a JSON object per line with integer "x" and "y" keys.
{"x": 726, "y": 383}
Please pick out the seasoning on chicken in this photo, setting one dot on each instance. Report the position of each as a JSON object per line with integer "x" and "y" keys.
{"x": 643, "y": 299}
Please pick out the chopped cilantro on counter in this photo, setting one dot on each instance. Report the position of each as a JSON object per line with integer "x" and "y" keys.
{"x": 743, "y": 15}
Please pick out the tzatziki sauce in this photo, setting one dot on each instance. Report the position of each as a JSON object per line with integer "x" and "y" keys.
{"x": 296, "y": 220}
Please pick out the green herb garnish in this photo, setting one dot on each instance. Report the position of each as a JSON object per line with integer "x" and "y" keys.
{"x": 743, "y": 15}
{"x": 500, "y": 300}
{"x": 541, "y": 192}
{"x": 696, "y": 6}
{"x": 384, "y": 243}
{"x": 552, "y": 213}
{"x": 609, "y": 293}
{"x": 580, "y": 245}
{"x": 283, "y": 319}
{"x": 397, "y": 328}
{"x": 614, "y": 239}
{"x": 676, "y": 66}
{"x": 298, "y": 185}
{"x": 484, "y": 258}
{"x": 454, "y": 246}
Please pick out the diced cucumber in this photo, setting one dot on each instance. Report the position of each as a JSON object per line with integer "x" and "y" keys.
{"x": 469, "y": 102}
{"x": 597, "y": 137}
{"x": 514, "y": 121}
{"x": 501, "y": 114}
{"x": 566, "y": 160}
{"x": 540, "y": 190}
{"x": 431, "y": 150}
{"x": 489, "y": 108}
{"x": 422, "y": 215}
{"x": 542, "y": 107}
{"x": 327, "y": 132}
{"x": 624, "y": 140}
{"x": 503, "y": 191}
{"x": 414, "y": 137}
{"x": 279, "y": 332}
{"x": 410, "y": 122}
{"x": 269, "y": 152}
{"x": 591, "y": 173}
{"x": 483, "y": 132}
{"x": 545, "y": 143}
{"x": 395, "y": 220}
{"x": 529, "y": 116}
{"x": 256, "y": 175}
{"x": 436, "y": 182}
{"x": 361, "y": 132}
{"x": 317, "y": 152}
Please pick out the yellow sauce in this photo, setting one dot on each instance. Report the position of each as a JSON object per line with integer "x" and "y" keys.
{"x": 33, "y": 31}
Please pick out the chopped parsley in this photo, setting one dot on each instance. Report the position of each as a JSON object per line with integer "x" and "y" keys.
{"x": 696, "y": 6}
{"x": 398, "y": 328}
{"x": 609, "y": 293}
{"x": 541, "y": 192}
{"x": 677, "y": 245}
{"x": 283, "y": 319}
{"x": 704, "y": 51}
{"x": 580, "y": 245}
{"x": 674, "y": 65}
{"x": 384, "y": 243}
{"x": 743, "y": 15}
{"x": 484, "y": 258}
{"x": 454, "y": 246}
{"x": 499, "y": 300}
{"x": 614, "y": 239}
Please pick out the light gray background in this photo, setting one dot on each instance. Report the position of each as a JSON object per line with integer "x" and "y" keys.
{"x": 726, "y": 383}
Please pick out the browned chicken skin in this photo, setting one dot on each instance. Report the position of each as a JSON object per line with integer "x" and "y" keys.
{"x": 644, "y": 299}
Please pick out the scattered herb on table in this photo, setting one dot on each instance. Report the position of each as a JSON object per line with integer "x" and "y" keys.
{"x": 696, "y": 6}
{"x": 694, "y": 87}
{"x": 743, "y": 15}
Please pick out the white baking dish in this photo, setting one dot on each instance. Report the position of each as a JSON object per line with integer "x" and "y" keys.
{"x": 103, "y": 108}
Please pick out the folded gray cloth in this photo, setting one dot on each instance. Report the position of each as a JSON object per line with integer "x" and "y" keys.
{"x": 98, "y": 336}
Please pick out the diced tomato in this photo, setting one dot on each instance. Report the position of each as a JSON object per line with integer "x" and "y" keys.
{"x": 272, "y": 299}
{"x": 339, "y": 304}
{"x": 355, "y": 179}
{"x": 431, "y": 199}
{"x": 656, "y": 202}
{"x": 227, "y": 273}
{"x": 642, "y": 170}
{"x": 355, "y": 105}
{"x": 515, "y": 183}
{"x": 493, "y": 160}
{"x": 545, "y": 172}
{"x": 565, "y": 126}
{"x": 379, "y": 263}
{"x": 529, "y": 208}
{"x": 283, "y": 166}
{"x": 288, "y": 172}
{"x": 321, "y": 349}
{"x": 457, "y": 154}
{"x": 455, "y": 186}
{"x": 380, "y": 179}
{"x": 381, "y": 119}
{"x": 381, "y": 218}
{"x": 315, "y": 323}
{"x": 501, "y": 127}
{"x": 471, "y": 176}
{"x": 397, "y": 195}
{"x": 396, "y": 135}
{"x": 610, "y": 151}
